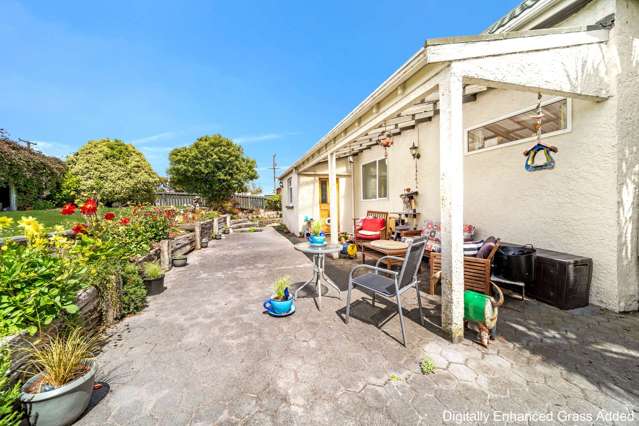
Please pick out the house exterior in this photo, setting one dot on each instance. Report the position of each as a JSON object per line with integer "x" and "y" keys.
{"x": 467, "y": 104}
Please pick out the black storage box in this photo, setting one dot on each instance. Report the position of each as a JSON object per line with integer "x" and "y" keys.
{"x": 561, "y": 279}
{"x": 515, "y": 263}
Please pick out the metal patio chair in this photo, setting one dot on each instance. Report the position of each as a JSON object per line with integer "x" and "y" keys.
{"x": 391, "y": 284}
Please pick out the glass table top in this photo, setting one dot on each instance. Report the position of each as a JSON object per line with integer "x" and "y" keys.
{"x": 308, "y": 248}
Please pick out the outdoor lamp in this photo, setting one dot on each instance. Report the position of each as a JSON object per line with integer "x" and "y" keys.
{"x": 414, "y": 151}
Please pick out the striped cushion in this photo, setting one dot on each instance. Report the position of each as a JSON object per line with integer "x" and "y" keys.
{"x": 472, "y": 247}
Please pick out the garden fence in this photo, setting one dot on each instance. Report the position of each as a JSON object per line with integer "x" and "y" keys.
{"x": 249, "y": 201}
{"x": 174, "y": 199}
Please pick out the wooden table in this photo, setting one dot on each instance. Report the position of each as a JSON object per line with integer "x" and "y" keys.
{"x": 374, "y": 250}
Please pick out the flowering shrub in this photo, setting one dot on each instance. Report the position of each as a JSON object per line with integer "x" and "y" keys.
{"x": 38, "y": 281}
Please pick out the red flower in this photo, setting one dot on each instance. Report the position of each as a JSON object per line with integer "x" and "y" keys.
{"x": 109, "y": 216}
{"x": 89, "y": 207}
{"x": 125, "y": 221}
{"x": 68, "y": 209}
{"x": 79, "y": 228}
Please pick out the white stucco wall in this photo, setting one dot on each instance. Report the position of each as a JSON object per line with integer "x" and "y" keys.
{"x": 306, "y": 196}
{"x": 569, "y": 208}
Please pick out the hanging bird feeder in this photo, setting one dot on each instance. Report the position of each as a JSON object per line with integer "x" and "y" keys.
{"x": 531, "y": 153}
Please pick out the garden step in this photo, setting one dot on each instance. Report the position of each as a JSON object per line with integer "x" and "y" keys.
{"x": 249, "y": 229}
{"x": 244, "y": 225}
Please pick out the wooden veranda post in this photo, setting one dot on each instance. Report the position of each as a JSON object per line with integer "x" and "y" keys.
{"x": 451, "y": 175}
{"x": 332, "y": 185}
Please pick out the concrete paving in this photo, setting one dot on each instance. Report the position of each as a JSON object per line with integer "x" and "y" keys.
{"x": 203, "y": 352}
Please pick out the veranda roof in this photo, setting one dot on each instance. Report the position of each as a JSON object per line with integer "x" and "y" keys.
{"x": 559, "y": 61}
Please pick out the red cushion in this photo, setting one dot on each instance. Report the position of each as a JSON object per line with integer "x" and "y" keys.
{"x": 373, "y": 224}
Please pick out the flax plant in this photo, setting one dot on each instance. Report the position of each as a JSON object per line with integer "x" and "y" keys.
{"x": 62, "y": 358}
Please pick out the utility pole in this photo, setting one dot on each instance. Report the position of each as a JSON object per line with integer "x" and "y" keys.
{"x": 274, "y": 168}
{"x": 29, "y": 144}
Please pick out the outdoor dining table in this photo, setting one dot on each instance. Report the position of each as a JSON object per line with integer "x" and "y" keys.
{"x": 319, "y": 256}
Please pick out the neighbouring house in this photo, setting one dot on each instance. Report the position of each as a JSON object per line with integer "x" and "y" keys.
{"x": 468, "y": 105}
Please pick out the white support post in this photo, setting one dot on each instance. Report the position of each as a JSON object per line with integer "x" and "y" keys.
{"x": 13, "y": 197}
{"x": 332, "y": 185}
{"x": 451, "y": 175}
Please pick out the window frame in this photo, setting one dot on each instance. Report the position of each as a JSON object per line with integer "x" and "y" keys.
{"x": 361, "y": 173}
{"x": 568, "y": 128}
{"x": 289, "y": 190}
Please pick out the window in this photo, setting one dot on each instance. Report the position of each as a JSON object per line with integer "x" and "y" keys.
{"x": 520, "y": 127}
{"x": 289, "y": 190}
{"x": 323, "y": 191}
{"x": 375, "y": 180}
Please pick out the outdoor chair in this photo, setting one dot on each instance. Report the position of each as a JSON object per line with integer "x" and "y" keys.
{"x": 388, "y": 283}
{"x": 372, "y": 227}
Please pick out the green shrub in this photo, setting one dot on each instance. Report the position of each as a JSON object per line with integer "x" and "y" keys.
{"x": 112, "y": 170}
{"x": 9, "y": 394}
{"x": 274, "y": 202}
{"x": 36, "y": 286}
{"x": 133, "y": 290}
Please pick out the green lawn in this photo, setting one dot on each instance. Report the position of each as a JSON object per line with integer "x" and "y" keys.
{"x": 49, "y": 218}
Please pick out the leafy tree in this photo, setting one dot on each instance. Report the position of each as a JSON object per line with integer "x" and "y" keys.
{"x": 113, "y": 171}
{"x": 35, "y": 175}
{"x": 213, "y": 166}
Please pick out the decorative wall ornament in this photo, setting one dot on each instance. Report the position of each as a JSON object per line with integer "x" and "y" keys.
{"x": 385, "y": 140}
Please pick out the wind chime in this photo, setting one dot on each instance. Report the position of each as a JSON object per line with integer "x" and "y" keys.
{"x": 531, "y": 153}
{"x": 385, "y": 140}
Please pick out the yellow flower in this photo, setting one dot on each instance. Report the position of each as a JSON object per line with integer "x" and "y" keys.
{"x": 59, "y": 229}
{"x": 5, "y": 222}
{"x": 32, "y": 228}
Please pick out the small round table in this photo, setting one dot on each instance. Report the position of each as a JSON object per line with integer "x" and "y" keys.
{"x": 319, "y": 253}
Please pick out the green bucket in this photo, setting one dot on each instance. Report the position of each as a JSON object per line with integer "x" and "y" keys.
{"x": 477, "y": 306}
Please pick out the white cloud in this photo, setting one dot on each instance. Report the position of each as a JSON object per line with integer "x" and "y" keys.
{"x": 262, "y": 137}
{"x": 55, "y": 149}
{"x": 153, "y": 138}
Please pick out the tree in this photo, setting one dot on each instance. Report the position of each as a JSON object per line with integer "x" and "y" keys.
{"x": 113, "y": 171}
{"x": 34, "y": 176}
{"x": 213, "y": 166}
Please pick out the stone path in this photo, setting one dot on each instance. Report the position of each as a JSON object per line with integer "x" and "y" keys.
{"x": 204, "y": 353}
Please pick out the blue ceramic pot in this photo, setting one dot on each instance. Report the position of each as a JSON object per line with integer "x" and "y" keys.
{"x": 278, "y": 306}
{"x": 317, "y": 240}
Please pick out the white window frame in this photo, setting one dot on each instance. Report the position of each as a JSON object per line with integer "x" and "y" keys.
{"x": 568, "y": 128}
{"x": 289, "y": 190}
{"x": 361, "y": 174}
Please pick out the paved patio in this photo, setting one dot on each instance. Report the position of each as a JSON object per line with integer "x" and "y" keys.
{"x": 204, "y": 353}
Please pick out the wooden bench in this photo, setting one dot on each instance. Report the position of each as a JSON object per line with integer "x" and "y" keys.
{"x": 476, "y": 271}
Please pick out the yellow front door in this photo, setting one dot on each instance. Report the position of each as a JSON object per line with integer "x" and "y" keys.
{"x": 325, "y": 203}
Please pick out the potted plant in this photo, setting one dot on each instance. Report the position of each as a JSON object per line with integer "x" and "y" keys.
{"x": 218, "y": 236}
{"x": 61, "y": 390}
{"x": 179, "y": 260}
{"x": 281, "y": 302}
{"x": 204, "y": 243}
{"x": 317, "y": 237}
{"x": 153, "y": 278}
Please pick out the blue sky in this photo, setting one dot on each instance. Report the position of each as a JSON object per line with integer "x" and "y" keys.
{"x": 274, "y": 76}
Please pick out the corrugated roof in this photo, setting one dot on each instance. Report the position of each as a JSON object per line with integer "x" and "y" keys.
{"x": 514, "y": 13}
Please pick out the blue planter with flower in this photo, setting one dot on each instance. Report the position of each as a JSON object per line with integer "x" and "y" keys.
{"x": 317, "y": 240}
